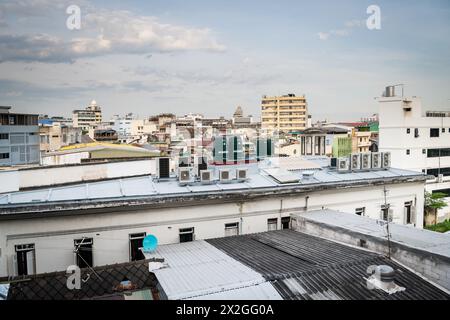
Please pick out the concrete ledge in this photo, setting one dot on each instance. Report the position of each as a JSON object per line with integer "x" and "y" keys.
{"x": 426, "y": 252}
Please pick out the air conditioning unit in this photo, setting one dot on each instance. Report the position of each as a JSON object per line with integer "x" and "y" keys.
{"x": 355, "y": 161}
{"x": 440, "y": 178}
{"x": 184, "y": 176}
{"x": 386, "y": 160}
{"x": 206, "y": 176}
{"x": 376, "y": 160}
{"x": 366, "y": 161}
{"x": 224, "y": 176}
{"x": 241, "y": 174}
{"x": 343, "y": 164}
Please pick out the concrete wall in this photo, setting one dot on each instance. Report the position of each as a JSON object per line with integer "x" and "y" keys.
{"x": 434, "y": 267}
{"x": 47, "y": 176}
{"x": 54, "y": 236}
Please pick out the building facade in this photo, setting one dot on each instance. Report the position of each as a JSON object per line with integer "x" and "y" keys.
{"x": 418, "y": 140}
{"x": 109, "y": 216}
{"x": 86, "y": 118}
{"x": 288, "y": 113}
{"x": 19, "y": 138}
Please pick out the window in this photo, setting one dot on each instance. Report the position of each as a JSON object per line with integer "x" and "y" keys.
{"x": 443, "y": 130}
{"x": 385, "y": 212}
{"x": 285, "y": 223}
{"x": 437, "y": 171}
{"x": 435, "y": 153}
{"x": 136, "y": 243}
{"x": 408, "y": 152}
{"x": 434, "y": 133}
{"x": 272, "y": 224}
{"x": 4, "y": 136}
{"x": 186, "y": 235}
{"x": 408, "y": 131}
{"x": 408, "y": 212}
{"x": 416, "y": 132}
{"x": 83, "y": 252}
{"x": 25, "y": 255}
{"x": 424, "y": 151}
{"x": 4, "y": 155}
{"x": 444, "y": 191}
{"x": 360, "y": 211}
{"x": 231, "y": 229}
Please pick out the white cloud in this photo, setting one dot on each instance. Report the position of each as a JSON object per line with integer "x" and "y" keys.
{"x": 342, "y": 32}
{"x": 323, "y": 35}
{"x": 108, "y": 32}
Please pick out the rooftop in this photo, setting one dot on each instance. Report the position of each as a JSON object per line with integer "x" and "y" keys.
{"x": 140, "y": 191}
{"x": 281, "y": 264}
{"x": 429, "y": 241}
{"x": 104, "y": 283}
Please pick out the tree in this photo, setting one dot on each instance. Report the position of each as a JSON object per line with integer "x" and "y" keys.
{"x": 433, "y": 202}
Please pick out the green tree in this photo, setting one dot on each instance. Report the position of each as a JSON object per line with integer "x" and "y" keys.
{"x": 433, "y": 202}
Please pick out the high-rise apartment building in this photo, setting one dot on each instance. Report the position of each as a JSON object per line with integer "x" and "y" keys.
{"x": 85, "y": 118}
{"x": 287, "y": 113}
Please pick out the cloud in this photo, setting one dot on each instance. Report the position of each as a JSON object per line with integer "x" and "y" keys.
{"x": 108, "y": 32}
{"x": 323, "y": 35}
{"x": 342, "y": 32}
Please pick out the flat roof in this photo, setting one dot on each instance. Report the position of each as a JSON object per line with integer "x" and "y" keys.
{"x": 146, "y": 190}
{"x": 430, "y": 241}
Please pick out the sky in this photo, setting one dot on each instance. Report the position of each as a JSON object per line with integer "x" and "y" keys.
{"x": 209, "y": 56}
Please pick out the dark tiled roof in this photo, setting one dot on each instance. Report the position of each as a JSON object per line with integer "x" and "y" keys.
{"x": 52, "y": 286}
{"x": 301, "y": 266}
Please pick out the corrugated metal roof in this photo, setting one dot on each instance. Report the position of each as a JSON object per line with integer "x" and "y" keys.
{"x": 198, "y": 269}
{"x": 302, "y": 266}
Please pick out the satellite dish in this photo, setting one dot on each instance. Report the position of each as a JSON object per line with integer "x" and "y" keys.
{"x": 150, "y": 243}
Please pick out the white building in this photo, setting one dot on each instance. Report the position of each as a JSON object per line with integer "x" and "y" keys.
{"x": 41, "y": 228}
{"x": 418, "y": 140}
{"x": 86, "y": 118}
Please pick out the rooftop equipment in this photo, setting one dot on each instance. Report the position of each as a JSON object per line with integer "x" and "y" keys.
{"x": 355, "y": 161}
{"x": 206, "y": 176}
{"x": 163, "y": 168}
{"x": 241, "y": 174}
{"x": 224, "y": 176}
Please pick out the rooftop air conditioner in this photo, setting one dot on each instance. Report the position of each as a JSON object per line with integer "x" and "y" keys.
{"x": 184, "y": 176}
{"x": 366, "y": 161}
{"x": 343, "y": 164}
{"x": 355, "y": 161}
{"x": 386, "y": 160}
{"x": 241, "y": 174}
{"x": 376, "y": 160}
{"x": 224, "y": 176}
{"x": 206, "y": 176}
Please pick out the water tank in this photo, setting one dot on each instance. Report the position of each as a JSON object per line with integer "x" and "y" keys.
{"x": 390, "y": 91}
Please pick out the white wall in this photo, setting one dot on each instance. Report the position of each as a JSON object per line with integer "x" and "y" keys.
{"x": 53, "y": 236}
{"x": 11, "y": 181}
{"x": 393, "y": 137}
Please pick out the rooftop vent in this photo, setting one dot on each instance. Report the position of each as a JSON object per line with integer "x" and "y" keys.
{"x": 382, "y": 278}
{"x": 307, "y": 175}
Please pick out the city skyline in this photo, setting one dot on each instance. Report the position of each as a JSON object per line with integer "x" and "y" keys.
{"x": 154, "y": 57}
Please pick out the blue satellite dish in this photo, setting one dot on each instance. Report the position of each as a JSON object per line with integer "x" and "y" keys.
{"x": 150, "y": 243}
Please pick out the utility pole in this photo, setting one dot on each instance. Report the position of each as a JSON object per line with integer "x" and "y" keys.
{"x": 386, "y": 207}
